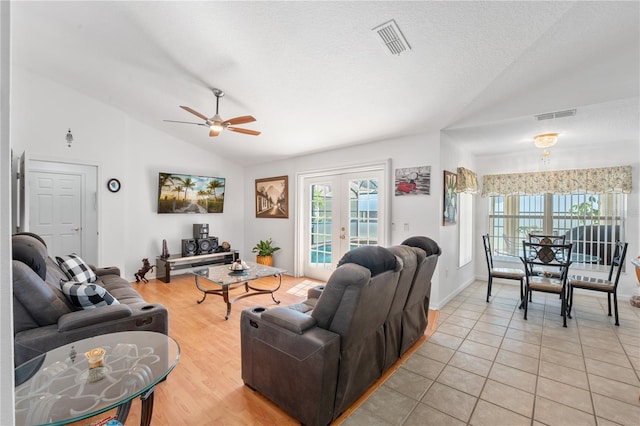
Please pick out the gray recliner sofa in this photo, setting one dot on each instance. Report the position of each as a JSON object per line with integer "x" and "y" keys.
{"x": 44, "y": 318}
{"x": 316, "y": 358}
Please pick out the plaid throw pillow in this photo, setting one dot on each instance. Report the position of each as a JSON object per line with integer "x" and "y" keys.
{"x": 87, "y": 296}
{"x": 76, "y": 269}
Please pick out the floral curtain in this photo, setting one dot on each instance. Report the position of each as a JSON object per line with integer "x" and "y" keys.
{"x": 593, "y": 181}
{"x": 467, "y": 181}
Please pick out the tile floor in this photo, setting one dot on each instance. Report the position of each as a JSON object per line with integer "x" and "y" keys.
{"x": 486, "y": 365}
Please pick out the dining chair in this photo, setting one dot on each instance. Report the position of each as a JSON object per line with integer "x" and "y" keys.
{"x": 505, "y": 273}
{"x": 609, "y": 286}
{"x": 537, "y": 256}
{"x": 547, "y": 239}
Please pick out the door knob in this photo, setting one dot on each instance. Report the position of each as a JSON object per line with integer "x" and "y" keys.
{"x": 342, "y": 236}
{"x": 75, "y": 229}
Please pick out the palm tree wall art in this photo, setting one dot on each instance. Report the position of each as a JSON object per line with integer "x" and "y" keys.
{"x": 189, "y": 194}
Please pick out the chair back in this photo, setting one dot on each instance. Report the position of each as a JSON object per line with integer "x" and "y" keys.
{"x": 487, "y": 251}
{"x": 546, "y": 255}
{"x": 617, "y": 261}
{"x": 547, "y": 239}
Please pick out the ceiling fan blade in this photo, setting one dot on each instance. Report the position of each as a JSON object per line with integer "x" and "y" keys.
{"x": 214, "y": 133}
{"x": 241, "y": 120}
{"x": 185, "y": 122}
{"x": 245, "y": 131}
{"x": 194, "y": 112}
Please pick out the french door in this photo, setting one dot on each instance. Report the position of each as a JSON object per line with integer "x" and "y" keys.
{"x": 341, "y": 212}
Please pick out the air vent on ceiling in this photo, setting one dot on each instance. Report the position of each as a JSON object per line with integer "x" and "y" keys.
{"x": 557, "y": 114}
{"x": 392, "y": 37}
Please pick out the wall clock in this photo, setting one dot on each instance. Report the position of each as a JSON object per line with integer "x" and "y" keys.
{"x": 113, "y": 185}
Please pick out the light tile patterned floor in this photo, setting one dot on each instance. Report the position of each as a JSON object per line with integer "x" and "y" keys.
{"x": 486, "y": 365}
{"x": 301, "y": 288}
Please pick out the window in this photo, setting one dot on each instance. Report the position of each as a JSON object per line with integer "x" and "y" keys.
{"x": 592, "y": 222}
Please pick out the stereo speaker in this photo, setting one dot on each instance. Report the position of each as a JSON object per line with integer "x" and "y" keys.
{"x": 189, "y": 247}
{"x": 207, "y": 245}
{"x": 200, "y": 230}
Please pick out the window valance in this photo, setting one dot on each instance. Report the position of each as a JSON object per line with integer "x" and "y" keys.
{"x": 593, "y": 181}
{"x": 467, "y": 181}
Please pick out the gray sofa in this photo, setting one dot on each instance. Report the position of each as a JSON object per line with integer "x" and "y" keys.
{"x": 44, "y": 318}
{"x": 316, "y": 358}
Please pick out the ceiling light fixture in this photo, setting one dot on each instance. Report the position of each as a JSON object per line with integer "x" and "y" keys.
{"x": 545, "y": 140}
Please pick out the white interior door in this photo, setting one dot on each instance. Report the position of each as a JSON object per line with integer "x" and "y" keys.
{"x": 55, "y": 211}
{"x": 342, "y": 212}
{"x": 62, "y": 207}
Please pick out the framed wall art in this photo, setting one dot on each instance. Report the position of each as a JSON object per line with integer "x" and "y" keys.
{"x": 272, "y": 197}
{"x": 178, "y": 193}
{"x": 413, "y": 181}
{"x": 450, "y": 204}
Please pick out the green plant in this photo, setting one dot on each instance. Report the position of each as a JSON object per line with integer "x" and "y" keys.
{"x": 265, "y": 248}
{"x": 587, "y": 210}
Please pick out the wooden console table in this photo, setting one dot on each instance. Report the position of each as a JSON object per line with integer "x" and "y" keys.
{"x": 178, "y": 264}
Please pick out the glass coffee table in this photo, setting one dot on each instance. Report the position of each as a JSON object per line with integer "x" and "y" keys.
{"x": 59, "y": 387}
{"x": 225, "y": 280}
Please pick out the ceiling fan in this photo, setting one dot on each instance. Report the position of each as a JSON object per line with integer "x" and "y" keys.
{"x": 215, "y": 123}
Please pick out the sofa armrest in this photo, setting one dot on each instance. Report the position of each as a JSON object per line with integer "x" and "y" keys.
{"x": 289, "y": 319}
{"x": 315, "y": 292}
{"x": 87, "y": 317}
{"x": 109, "y": 270}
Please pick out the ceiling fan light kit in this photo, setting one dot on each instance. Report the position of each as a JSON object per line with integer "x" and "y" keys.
{"x": 217, "y": 124}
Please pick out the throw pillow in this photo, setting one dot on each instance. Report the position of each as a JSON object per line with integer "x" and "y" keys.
{"x": 87, "y": 296}
{"x": 76, "y": 269}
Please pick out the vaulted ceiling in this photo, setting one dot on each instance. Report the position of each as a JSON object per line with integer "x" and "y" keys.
{"x": 316, "y": 77}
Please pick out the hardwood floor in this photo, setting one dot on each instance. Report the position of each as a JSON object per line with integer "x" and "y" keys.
{"x": 206, "y": 387}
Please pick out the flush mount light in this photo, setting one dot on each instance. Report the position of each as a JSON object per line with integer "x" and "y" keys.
{"x": 545, "y": 140}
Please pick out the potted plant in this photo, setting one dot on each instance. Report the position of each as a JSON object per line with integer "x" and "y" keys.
{"x": 264, "y": 252}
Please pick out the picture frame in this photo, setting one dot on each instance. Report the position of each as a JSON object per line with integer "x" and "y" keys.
{"x": 190, "y": 194}
{"x": 272, "y": 198}
{"x": 413, "y": 181}
{"x": 450, "y": 199}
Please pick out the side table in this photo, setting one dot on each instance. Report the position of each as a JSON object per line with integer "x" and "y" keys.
{"x": 58, "y": 387}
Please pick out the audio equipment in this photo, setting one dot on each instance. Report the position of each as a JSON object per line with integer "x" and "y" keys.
{"x": 189, "y": 247}
{"x": 207, "y": 245}
{"x": 200, "y": 230}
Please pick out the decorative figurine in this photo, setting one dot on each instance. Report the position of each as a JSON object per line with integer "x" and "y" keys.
{"x": 146, "y": 267}
{"x": 165, "y": 250}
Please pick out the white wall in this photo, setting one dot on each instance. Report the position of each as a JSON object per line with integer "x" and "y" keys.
{"x": 420, "y": 212}
{"x": 129, "y": 227}
{"x": 608, "y": 154}
{"x": 453, "y": 278}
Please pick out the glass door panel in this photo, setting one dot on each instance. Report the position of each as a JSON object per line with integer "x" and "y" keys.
{"x": 343, "y": 212}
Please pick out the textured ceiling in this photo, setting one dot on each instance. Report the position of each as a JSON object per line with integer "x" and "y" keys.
{"x": 316, "y": 77}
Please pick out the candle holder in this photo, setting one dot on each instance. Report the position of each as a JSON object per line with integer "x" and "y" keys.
{"x": 95, "y": 357}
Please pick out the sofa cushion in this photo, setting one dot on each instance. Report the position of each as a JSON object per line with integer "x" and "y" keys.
{"x": 375, "y": 258}
{"x": 76, "y": 269}
{"x": 30, "y": 256}
{"x": 87, "y": 296}
{"x": 36, "y": 297}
